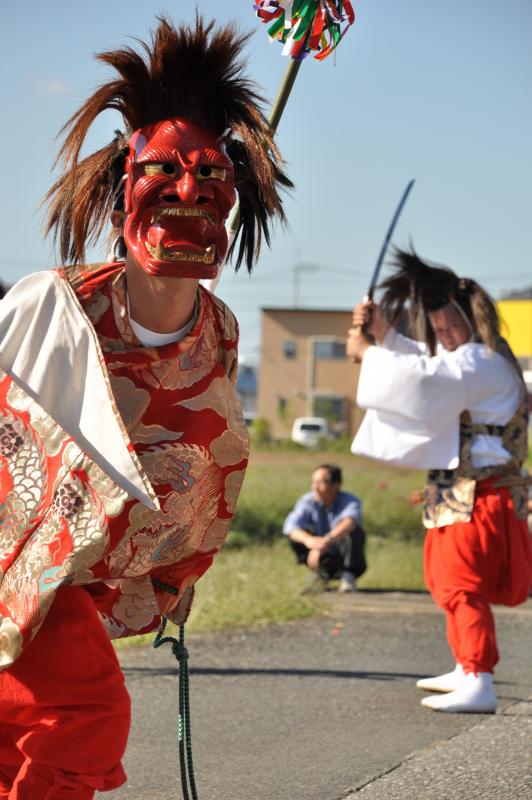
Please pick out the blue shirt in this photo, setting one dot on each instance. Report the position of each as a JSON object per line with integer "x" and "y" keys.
{"x": 312, "y": 516}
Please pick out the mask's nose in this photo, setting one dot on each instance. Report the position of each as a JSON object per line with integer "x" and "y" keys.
{"x": 188, "y": 188}
{"x": 184, "y": 190}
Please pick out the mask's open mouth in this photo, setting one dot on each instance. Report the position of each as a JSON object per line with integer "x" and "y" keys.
{"x": 178, "y": 211}
{"x": 175, "y": 233}
{"x": 161, "y": 253}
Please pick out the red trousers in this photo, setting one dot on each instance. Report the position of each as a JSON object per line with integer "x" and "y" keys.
{"x": 64, "y": 709}
{"x": 469, "y": 565}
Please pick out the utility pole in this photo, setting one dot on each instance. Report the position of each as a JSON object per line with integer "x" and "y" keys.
{"x": 297, "y": 269}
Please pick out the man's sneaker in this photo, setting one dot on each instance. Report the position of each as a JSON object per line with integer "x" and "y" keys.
{"x": 317, "y": 583}
{"x": 347, "y": 583}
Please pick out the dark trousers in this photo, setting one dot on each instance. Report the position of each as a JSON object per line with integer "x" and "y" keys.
{"x": 344, "y": 555}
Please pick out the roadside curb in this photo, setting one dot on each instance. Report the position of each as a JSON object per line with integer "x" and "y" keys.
{"x": 466, "y": 765}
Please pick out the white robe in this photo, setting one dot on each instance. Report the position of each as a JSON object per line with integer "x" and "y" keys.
{"x": 414, "y": 402}
{"x": 51, "y": 350}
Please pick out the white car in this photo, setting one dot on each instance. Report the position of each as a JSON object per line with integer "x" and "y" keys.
{"x": 309, "y": 430}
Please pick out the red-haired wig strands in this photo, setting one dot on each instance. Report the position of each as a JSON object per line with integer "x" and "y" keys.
{"x": 192, "y": 72}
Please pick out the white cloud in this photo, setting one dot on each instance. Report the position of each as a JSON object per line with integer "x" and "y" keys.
{"x": 46, "y": 85}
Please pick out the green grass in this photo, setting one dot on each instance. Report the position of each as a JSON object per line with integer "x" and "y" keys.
{"x": 275, "y": 479}
{"x": 394, "y": 565}
{"x": 262, "y": 584}
{"x": 253, "y": 586}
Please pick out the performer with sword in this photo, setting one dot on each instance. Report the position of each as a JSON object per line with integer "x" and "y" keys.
{"x": 452, "y": 399}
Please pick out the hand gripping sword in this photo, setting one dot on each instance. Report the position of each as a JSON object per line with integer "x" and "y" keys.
{"x": 375, "y": 277}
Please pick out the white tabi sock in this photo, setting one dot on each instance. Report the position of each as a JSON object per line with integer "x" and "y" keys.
{"x": 448, "y": 682}
{"x": 476, "y": 695}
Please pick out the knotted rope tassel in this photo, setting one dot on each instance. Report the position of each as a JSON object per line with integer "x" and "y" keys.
{"x": 179, "y": 650}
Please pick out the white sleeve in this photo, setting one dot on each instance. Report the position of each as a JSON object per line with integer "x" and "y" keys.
{"x": 402, "y": 344}
{"x": 52, "y": 352}
{"x": 416, "y": 386}
{"x": 414, "y": 402}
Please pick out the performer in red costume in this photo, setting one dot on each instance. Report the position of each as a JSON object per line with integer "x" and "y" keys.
{"x": 454, "y": 401}
{"x": 122, "y": 443}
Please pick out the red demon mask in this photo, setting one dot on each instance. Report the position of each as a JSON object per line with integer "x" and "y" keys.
{"x": 179, "y": 191}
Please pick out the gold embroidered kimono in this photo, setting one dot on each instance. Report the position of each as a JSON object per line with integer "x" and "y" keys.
{"x": 118, "y": 463}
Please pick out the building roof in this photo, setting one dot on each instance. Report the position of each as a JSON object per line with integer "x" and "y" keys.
{"x": 521, "y": 294}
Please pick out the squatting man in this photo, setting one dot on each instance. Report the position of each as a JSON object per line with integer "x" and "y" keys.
{"x": 325, "y": 531}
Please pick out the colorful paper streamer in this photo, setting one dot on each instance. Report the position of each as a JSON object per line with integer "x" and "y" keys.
{"x": 306, "y": 26}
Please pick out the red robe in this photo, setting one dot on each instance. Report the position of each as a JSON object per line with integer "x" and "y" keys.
{"x": 64, "y": 521}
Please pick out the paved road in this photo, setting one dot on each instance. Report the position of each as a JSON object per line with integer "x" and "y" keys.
{"x": 327, "y": 709}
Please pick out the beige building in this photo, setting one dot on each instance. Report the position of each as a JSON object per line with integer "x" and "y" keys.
{"x": 304, "y": 370}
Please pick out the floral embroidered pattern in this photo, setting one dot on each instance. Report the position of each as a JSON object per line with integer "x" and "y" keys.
{"x": 10, "y": 440}
{"x": 64, "y": 521}
{"x": 67, "y": 501}
{"x": 23, "y": 484}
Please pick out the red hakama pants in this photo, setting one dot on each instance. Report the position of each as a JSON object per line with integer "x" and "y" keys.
{"x": 64, "y": 709}
{"x": 469, "y": 565}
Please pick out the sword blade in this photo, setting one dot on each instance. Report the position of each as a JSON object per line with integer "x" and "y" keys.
{"x": 378, "y": 265}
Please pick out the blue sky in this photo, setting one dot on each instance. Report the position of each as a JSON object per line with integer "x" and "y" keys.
{"x": 436, "y": 91}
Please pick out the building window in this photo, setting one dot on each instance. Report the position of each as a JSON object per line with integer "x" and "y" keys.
{"x": 332, "y": 407}
{"x": 289, "y": 348}
{"x": 328, "y": 348}
{"x": 282, "y": 407}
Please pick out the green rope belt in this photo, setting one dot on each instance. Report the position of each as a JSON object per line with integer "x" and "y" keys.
{"x": 184, "y": 734}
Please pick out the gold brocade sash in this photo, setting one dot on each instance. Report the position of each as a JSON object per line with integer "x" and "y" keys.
{"x": 450, "y": 494}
